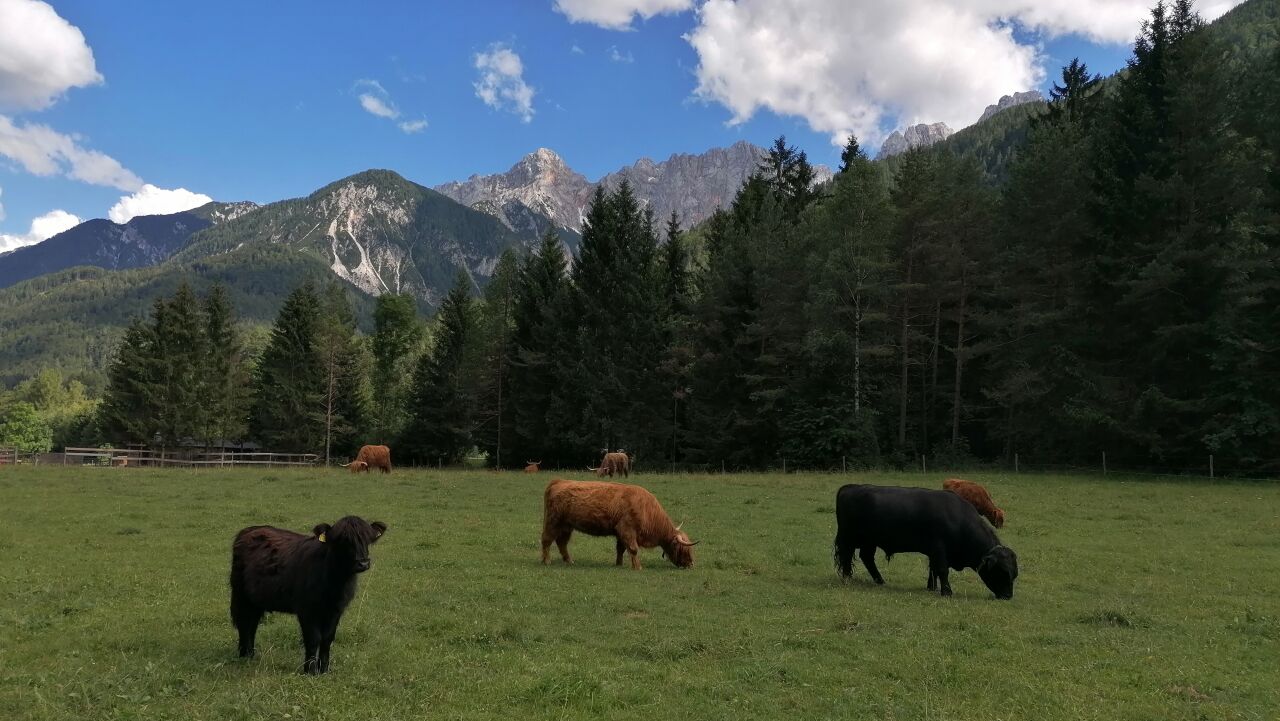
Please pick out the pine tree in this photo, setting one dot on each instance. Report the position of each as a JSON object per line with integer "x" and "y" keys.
{"x": 289, "y": 382}
{"x": 343, "y": 394}
{"x": 540, "y": 290}
{"x": 442, "y": 400}
{"x": 397, "y": 338}
{"x": 126, "y": 414}
{"x": 225, "y": 379}
{"x": 496, "y": 342}
{"x": 178, "y": 360}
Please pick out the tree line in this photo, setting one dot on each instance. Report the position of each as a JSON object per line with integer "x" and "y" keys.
{"x": 1115, "y": 287}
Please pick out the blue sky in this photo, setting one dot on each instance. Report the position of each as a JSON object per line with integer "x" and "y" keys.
{"x": 262, "y": 101}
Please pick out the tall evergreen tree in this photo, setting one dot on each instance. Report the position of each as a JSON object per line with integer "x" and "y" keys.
{"x": 225, "y": 379}
{"x": 495, "y": 418}
{"x": 540, "y": 291}
{"x": 343, "y": 398}
{"x": 397, "y": 337}
{"x": 126, "y": 414}
{"x": 442, "y": 399}
{"x": 178, "y": 362}
{"x": 289, "y": 382}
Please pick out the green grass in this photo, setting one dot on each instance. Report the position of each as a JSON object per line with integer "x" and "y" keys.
{"x": 1136, "y": 600}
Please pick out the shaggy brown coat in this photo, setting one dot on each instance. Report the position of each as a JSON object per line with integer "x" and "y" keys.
{"x": 374, "y": 457}
{"x": 358, "y": 466}
{"x": 630, "y": 514}
{"x": 977, "y": 497}
{"x": 532, "y": 467}
{"x": 614, "y": 464}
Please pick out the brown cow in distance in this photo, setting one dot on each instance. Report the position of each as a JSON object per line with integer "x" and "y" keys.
{"x": 978, "y": 497}
{"x": 631, "y": 514}
{"x": 532, "y": 467}
{"x": 613, "y": 464}
{"x": 372, "y": 457}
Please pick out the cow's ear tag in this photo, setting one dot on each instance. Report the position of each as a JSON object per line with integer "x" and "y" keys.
{"x": 321, "y": 537}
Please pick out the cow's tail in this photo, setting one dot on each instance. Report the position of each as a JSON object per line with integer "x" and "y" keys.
{"x": 842, "y": 553}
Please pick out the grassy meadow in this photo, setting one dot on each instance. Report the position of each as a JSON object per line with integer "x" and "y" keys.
{"x": 1137, "y": 599}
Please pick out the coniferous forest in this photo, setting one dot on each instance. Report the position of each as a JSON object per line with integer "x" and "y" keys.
{"x": 1110, "y": 284}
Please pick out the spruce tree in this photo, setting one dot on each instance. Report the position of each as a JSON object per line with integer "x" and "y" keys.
{"x": 126, "y": 414}
{"x": 442, "y": 398}
{"x": 225, "y": 378}
{"x": 496, "y": 352}
{"x": 540, "y": 291}
{"x": 289, "y": 382}
{"x": 397, "y": 337}
{"x": 343, "y": 394}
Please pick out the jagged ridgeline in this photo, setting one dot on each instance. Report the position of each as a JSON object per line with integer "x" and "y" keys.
{"x": 375, "y": 230}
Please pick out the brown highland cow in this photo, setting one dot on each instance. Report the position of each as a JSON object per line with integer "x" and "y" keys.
{"x": 977, "y": 497}
{"x": 630, "y": 514}
{"x": 371, "y": 457}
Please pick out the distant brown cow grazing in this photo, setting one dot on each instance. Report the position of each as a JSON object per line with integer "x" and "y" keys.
{"x": 312, "y": 577}
{"x": 613, "y": 464}
{"x": 630, "y": 514}
{"x": 532, "y": 467}
{"x": 977, "y": 497}
{"x": 375, "y": 457}
{"x": 358, "y": 467}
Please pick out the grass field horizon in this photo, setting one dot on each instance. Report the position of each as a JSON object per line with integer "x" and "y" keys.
{"x": 1137, "y": 599}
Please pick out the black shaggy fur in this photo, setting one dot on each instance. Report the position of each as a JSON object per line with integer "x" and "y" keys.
{"x": 312, "y": 577}
{"x": 939, "y": 524}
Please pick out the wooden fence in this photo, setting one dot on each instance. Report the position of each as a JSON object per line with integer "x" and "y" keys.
{"x": 184, "y": 459}
{"x": 8, "y": 456}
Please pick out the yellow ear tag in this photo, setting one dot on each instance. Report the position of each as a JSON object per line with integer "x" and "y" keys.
{"x": 321, "y": 537}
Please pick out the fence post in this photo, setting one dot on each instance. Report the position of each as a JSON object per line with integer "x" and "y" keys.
{"x": 844, "y": 465}
{"x": 722, "y": 466}
{"x": 1104, "y": 463}
{"x": 784, "y": 466}
{"x": 1211, "y": 465}
{"x": 924, "y": 465}
{"x": 1015, "y": 463}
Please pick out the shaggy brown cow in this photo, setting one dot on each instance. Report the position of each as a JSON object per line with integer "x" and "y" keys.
{"x": 312, "y": 577}
{"x": 532, "y": 467}
{"x": 977, "y": 497}
{"x": 613, "y": 464}
{"x": 358, "y": 467}
{"x": 599, "y": 508}
{"x": 375, "y": 457}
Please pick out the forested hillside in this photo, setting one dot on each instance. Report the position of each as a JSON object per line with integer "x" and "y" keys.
{"x": 1098, "y": 274}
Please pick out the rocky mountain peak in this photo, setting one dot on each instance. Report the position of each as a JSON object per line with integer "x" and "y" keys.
{"x": 1009, "y": 101}
{"x": 915, "y": 136}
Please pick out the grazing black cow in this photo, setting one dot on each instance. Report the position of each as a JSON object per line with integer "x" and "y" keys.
{"x": 313, "y": 577}
{"x": 939, "y": 524}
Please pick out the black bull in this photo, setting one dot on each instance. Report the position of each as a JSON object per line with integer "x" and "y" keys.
{"x": 939, "y": 524}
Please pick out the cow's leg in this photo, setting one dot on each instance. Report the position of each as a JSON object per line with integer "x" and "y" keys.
{"x": 328, "y": 632}
{"x": 548, "y": 536}
{"x": 932, "y": 583}
{"x": 628, "y": 540}
{"x": 620, "y": 547}
{"x": 246, "y": 617}
{"x": 562, "y": 542}
{"x": 938, "y": 568}
{"x": 868, "y": 556}
{"x": 311, "y": 632}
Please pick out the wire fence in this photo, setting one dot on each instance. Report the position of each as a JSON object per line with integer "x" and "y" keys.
{"x": 125, "y": 457}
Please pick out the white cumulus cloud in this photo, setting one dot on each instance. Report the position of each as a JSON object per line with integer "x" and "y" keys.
{"x": 412, "y": 126}
{"x": 42, "y": 228}
{"x": 150, "y": 200}
{"x": 618, "y": 14}
{"x": 44, "y": 151}
{"x": 41, "y": 56}
{"x": 855, "y": 70}
{"x": 501, "y": 85}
